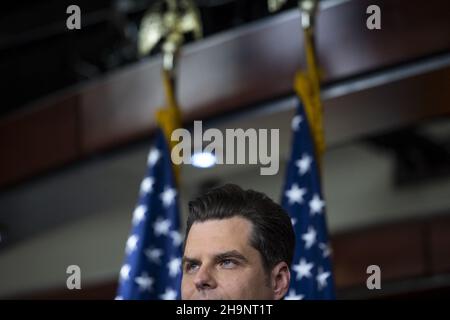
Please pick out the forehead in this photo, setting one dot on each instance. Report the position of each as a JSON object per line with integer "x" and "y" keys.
{"x": 212, "y": 236}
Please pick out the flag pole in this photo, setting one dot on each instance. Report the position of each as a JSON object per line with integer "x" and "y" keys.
{"x": 171, "y": 24}
{"x": 307, "y": 84}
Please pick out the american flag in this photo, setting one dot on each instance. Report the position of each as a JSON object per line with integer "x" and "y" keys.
{"x": 152, "y": 267}
{"x": 302, "y": 198}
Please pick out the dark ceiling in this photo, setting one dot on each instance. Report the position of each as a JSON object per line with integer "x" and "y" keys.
{"x": 39, "y": 55}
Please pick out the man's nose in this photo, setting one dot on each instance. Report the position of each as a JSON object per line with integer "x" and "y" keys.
{"x": 204, "y": 279}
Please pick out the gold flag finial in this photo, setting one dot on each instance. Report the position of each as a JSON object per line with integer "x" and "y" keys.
{"x": 168, "y": 20}
{"x": 307, "y": 10}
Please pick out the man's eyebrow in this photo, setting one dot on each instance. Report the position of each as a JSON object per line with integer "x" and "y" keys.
{"x": 218, "y": 257}
{"x": 231, "y": 254}
{"x": 190, "y": 260}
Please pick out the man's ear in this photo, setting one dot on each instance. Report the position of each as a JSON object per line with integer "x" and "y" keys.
{"x": 281, "y": 277}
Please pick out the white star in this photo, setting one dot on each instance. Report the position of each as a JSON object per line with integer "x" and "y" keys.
{"x": 295, "y": 194}
{"x": 154, "y": 255}
{"x": 147, "y": 185}
{"x": 295, "y": 124}
{"x": 303, "y": 164}
{"x": 303, "y": 269}
{"x": 170, "y": 294}
{"x": 316, "y": 204}
{"x": 125, "y": 272}
{"x": 139, "y": 214}
{"x": 161, "y": 227}
{"x": 153, "y": 156}
{"x": 326, "y": 249}
{"x": 144, "y": 282}
{"x": 322, "y": 278}
{"x": 174, "y": 266}
{"x": 176, "y": 238}
{"x": 309, "y": 237}
{"x": 293, "y": 221}
{"x": 168, "y": 196}
{"x": 294, "y": 296}
{"x": 132, "y": 243}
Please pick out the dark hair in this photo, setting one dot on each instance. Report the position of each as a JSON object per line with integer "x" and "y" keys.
{"x": 272, "y": 232}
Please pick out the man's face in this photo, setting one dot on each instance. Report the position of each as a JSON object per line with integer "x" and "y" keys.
{"x": 220, "y": 263}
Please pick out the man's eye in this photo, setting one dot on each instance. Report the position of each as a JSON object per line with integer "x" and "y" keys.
{"x": 228, "y": 263}
{"x": 191, "y": 267}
